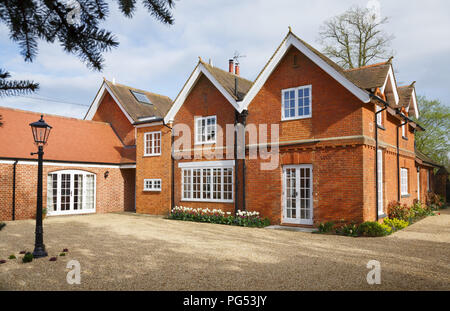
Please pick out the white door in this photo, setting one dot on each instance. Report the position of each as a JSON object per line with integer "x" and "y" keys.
{"x": 380, "y": 182}
{"x": 70, "y": 192}
{"x": 297, "y": 194}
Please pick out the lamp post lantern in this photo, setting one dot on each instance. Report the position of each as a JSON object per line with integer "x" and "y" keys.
{"x": 41, "y": 131}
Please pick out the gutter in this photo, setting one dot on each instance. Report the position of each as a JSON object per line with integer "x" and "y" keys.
{"x": 157, "y": 119}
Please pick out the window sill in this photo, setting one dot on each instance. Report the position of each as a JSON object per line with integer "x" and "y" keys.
{"x": 404, "y": 196}
{"x": 207, "y": 201}
{"x": 405, "y": 138}
{"x": 151, "y": 155}
{"x": 381, "y": 127}
{"x": 297, "y": 118}
{"x": 148, "y": 190}
{"x": 381, "y": 216}
{"x": 205, "y": 144}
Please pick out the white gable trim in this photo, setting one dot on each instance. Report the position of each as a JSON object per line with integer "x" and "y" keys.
{"x": 98, "y": 99}
{"x": 390, "y": 77}
{"x": 179, "y": 101}
{"x": 414, "y": 100}
{"x": 292, "y": 40}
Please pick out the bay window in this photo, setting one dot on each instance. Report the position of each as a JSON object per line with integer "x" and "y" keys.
{"x": 208, "y": 184}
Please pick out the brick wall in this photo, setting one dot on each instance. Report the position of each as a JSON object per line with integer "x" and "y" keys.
{"x": 110, "y": 191}
{"x": 149, "y": 167}
{"x": 108, "y": 111}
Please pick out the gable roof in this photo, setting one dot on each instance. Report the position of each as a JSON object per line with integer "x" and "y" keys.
{"x": 130, "y": 106}
{"x": 224, "y": 81}
{"x": 426, "y": 159}
{"x": 368, "y": 77}
{"x": 408, "y": 99}
{"x": 359, "y": 81}
{"x": 71, "y": 139}
{"x": 326, "y": 64}
{"x": 227, "y": 80}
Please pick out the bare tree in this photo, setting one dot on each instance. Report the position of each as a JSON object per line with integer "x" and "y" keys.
{"x": 355, "y": 38}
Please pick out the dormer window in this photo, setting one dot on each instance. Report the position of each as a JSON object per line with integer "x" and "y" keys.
{"x": 141, "y": 97}
{"x": 205, "y": 130}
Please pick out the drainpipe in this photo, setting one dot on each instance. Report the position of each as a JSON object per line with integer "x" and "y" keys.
{"x": 172, "y": 182}
{"x": 376, "y": 149}
{"x": 244, "y": 115}
{"x": 398, "y": 161}
{"x": 236, "y": 165}
{"x": 14, "y": 190}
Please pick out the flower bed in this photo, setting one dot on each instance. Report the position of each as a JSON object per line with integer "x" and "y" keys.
{"x": 217, "y": 216}
{"x": 399, "y": 217}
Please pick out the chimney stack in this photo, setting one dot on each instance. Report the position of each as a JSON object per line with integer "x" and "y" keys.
{"x": 230, "y": 65}
{"x": 236, "y": 69}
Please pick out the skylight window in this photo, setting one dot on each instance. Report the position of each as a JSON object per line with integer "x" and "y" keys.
{"x": 141, "y": 97}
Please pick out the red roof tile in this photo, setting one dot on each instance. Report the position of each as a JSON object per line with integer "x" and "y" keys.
{"x": 71, "y": 139}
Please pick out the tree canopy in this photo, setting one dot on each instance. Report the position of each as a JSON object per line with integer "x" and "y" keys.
{"x": 355, "y": 38}
{"x": 435, "y": 141}
{"x": 72, "y": 23}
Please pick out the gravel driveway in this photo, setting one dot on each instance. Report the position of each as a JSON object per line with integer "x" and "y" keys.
{"x": 135, "y": 252}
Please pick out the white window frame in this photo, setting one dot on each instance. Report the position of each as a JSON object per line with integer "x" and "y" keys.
{"x": 404, "y": 191}
{"x": 152, "y": 147}
{"x": 404, "y": 131}
{"x": 71, "y": 211}
{"x": 150, "y": 184}
{"x": 418, "y": 184}
{"x": 296, "y": 117}
{"x": 205, "y": 133}
{"x": 202, "y": 170}
{"x": 380, "y": 174}
{"x": 379, "y": 116}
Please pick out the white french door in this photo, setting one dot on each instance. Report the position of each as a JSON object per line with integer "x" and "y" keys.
{"x": 297, "y": 194}
{"x": 70, "y": 192}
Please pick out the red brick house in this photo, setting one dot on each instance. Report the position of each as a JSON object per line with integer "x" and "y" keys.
{"x": 340, "y": 145}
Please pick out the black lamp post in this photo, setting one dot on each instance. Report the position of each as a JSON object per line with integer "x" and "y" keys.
{"x": 41, "y": 131}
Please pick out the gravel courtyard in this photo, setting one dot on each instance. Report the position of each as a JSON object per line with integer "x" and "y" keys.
{"x": 135, "y": 252}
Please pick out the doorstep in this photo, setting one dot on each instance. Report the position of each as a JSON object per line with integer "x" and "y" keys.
{"x": 291, "y": 228}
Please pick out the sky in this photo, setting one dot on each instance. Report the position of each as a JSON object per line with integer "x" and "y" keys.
{"x": 159, "y": 58}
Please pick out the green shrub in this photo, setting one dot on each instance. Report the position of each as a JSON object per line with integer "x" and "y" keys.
{"x": 12, "y": 257}
{"x": 348, "y": 230}
{"x": 374, "y": 229}
{"x": 62, "y": 254}
{"x": 400, "y": 211}
{"x": 419, "y": 210}
{"x": 326, "y": 227}
{"x": 435, "y": 201}
{"x": 396, "y": 224}
{"x": 28, "y": 257}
